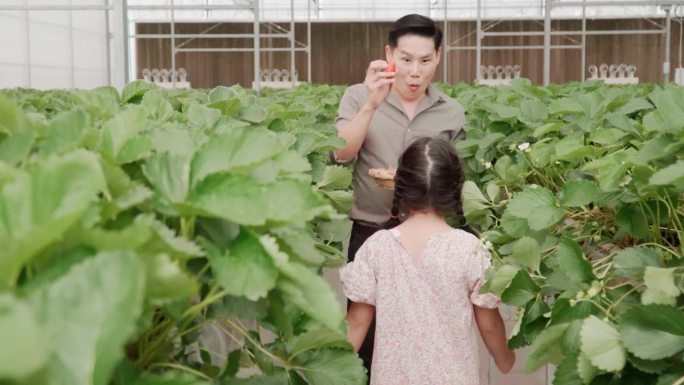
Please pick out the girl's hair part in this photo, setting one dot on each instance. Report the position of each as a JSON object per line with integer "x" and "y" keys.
{"x": 429, "y": 176}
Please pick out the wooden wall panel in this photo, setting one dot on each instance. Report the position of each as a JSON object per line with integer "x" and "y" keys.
{"x": 341, "y": 51}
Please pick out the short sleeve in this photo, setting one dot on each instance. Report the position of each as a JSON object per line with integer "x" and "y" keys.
{"x": 358, "y": 278}
{"x": 347, "y": 110}
{"x": 476, "y": 277}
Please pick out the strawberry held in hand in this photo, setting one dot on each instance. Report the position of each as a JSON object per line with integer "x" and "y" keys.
{"x": 391, "y": 67}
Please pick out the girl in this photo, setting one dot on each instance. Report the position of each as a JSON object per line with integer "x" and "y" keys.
{"x": 421, "y": 280}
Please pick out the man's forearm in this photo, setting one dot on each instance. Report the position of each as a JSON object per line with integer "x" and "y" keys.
{"x": 354, "y": 133}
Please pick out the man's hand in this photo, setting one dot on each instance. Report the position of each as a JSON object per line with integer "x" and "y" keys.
{"x": 377, "y": 83}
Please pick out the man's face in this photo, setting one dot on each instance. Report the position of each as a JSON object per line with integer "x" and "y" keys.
{"x": 416, "y": 59}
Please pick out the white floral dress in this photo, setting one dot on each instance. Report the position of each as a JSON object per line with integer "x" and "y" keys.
{"x": 425, "y": 329}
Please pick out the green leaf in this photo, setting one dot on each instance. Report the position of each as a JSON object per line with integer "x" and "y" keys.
{"x": 310, "y": 293}
{"x": 563, "y": 311}
{"x": 169, "y": 176}
{"x": 90, "y": 313}
{"x": 521, "y": 290}
{"x": 341, "y": 199}
{"x": 157, "y": 107}
{"x": 32, "y": 219}
{"x": 254, "y": 114}
{"x": 117, "y": 132}
{"x": 203, "y": 117}
{"x": 168, "y": 379}
{"x": 16, "y": 147}
{"x": 606, "y": 136}
{"x": 501, "y": 279}
{"x": 526, "y": 252}
{"x": 25, "y": 346}
{"x": 532, "y": 112}
{"x": 232, "y": 197}
{"x": 334, "y": 367}
{"x": 649, "y": 366}
{"x": 473, "y": 199}
{"x": 660, "y": 286}
{"x": 566, "y": 373}
{"x": 602, "y": 345}
{"x": 670, "y": 175}
{"x": 538, "y": 206}
{"x": 335, "y": 178}
{"x": 634, "y": 105}
{"x": 275, "y": 379}
{"x": 633, "y": 220}
{"x": 166, "y": 280}
{"x": 632, "y": 262}
{"x": 545, "y": 348}
{"x": 587, "y": 371}
{"x": 514, "y": 226}
{"x": 66, "y": 132}
{"x": 335, "y": 230}
{"x": 300, "y": 243}
{"x": 577, "y": 193}
{"x": 226, "y": 100}
{"x": 293, "y": 201}
{"x": 317, "y": 339}
{"x": 573, "y": 262}
{"x": 653, "y": 332}
{"x": 134, "y": 91}
{"x": 247, "y": 269}
{"x": 238, "y": 149}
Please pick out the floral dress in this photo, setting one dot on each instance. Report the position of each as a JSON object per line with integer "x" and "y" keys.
{"x": 425, "y": 328}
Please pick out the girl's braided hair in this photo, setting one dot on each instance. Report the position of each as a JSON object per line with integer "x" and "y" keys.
{"x": 429, "y": 176}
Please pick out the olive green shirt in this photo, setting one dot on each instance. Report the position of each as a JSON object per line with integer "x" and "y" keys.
{"x": 389, "y": 133}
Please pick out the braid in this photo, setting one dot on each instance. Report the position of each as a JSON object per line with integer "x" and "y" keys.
{"x": 394, "y": 213}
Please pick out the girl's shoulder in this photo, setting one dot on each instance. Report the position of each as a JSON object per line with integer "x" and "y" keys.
{"x": 464, "y": 240}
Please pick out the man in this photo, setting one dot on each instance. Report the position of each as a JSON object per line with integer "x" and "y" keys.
{"x": 381, "y": 117}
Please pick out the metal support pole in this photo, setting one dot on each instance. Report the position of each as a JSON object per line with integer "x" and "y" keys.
{"x": 72, "y": 73}
{"x": 445, "y": 49}
{"x": 668, "y": 25}
{"x": 120, "y": 44}
{"x": 173, "y": 45}
{"x": 292, "y": 43}
{"x": 108, "y": 53}
{"x": 478, "y": 38}
{"x": 28, "y": 44}
{"x": 257, "y": 47}
{"x": 547, "y": 42}
{"x": 583, "y": 61}
{"x": 308, "y": 40}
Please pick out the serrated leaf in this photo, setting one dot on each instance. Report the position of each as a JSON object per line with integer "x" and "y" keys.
{"x": 632, "y": 262}
{"x": 660, "y": 286}
{"x": 246, "y": 270}
{"x": 602, "y": 344}
{"x": 521, "y": 290}
{"x": 25, "y": 345}
{"x": 38, "y": 207}
{"x": 538, "y": 206}
{"x": 238, "y": 149}
{"x": 335, "y": 178}
{"x": 334, "y": 367}
{"x": 577, "y": 193}
{"x": 545, "y": 348}
{"x": 526, "y": 252}
{"x": 104, "y": 297}
{"x": 653, "y": 332}
{"x": 670, "y": 175}
{"x": 573, "y": 262}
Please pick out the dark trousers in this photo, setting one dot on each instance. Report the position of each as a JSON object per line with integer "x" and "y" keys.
{"x": 359, "y": 234}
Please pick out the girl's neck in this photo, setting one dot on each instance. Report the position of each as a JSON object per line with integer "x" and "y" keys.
{"x": 427, "y": 219}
